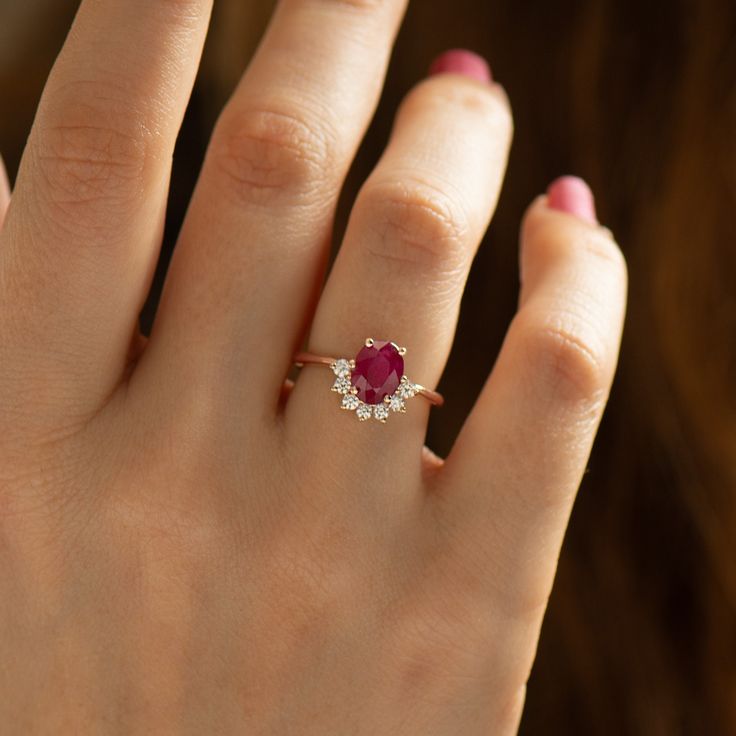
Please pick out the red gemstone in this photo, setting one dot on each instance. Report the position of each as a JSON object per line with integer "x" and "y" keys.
{"x": 378, "y": 370}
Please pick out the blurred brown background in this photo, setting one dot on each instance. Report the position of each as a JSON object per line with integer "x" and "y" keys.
{"x": 640, "y": 99}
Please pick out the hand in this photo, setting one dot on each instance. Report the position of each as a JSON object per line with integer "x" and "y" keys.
{"x": 185, "y": 547}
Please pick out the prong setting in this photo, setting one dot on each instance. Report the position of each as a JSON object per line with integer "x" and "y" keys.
{"x": 352, "y": 398}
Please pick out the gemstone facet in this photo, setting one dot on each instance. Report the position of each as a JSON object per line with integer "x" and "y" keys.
{"x": 378, "y": 371}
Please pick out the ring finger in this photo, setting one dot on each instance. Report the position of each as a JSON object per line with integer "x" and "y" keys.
{"x": 410, "y": 240}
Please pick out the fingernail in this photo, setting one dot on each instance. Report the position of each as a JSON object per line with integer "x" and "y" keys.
{"x": 462, "y": 61}
{"x": 572, "y": 195}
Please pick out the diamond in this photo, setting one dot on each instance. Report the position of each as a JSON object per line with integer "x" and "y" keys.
{"x": 350, "y": 401}
{"x": 341, "y": 385}
{"x": 380, "y": 411}
{"x": 396, "y": 403}
{"x": 363, "y": 411}
{"x": 406, "y": 389}
{"x": 341, "y": 367}
{"x": 377, "y": 372}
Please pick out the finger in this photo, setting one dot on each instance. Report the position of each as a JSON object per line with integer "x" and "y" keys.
{"x": 251, "y": 253}
{"x": 81, "y": 240}
{"x": 4, "y": 191}
{"x": 507, "y": 488}
{"x": 412, "y": 235}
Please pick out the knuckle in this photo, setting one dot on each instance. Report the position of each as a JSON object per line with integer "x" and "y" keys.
{"x": 603, "y": 247}
{"x": 416, "y": 224}
{"x": 486, "y": 104}
{"x": 570, "y": 357}
{"x": 595, "y": 247}
{"x": 544, "y": 241}
{"x": 87, "y": 168}
{"x": 263, "y": 155}
{"x": 90, "y": 156}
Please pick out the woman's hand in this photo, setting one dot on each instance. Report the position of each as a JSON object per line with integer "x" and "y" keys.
{"x": 183, "y": 547}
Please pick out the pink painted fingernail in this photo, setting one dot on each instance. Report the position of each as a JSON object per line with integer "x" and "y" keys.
{"x": 462, "y": 61}
{"x": 572, "y": 195}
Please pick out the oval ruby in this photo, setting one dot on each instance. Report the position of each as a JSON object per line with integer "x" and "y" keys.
{"x": 378, "y": 370}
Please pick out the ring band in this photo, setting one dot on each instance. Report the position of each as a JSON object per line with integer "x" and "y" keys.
{"x": 373, "y": 384}
{"x": 301, "y": 359}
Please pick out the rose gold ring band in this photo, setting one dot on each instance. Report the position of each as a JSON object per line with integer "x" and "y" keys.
{"x": 304, "y": 358}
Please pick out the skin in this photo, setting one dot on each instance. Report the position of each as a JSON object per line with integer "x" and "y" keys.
{"x": 183, "y": 548}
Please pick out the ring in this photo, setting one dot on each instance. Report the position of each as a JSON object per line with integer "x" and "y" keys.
{"x": 373, "y": 384}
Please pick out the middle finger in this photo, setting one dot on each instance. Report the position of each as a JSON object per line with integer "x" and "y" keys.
{"x": 252, "y": 248}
